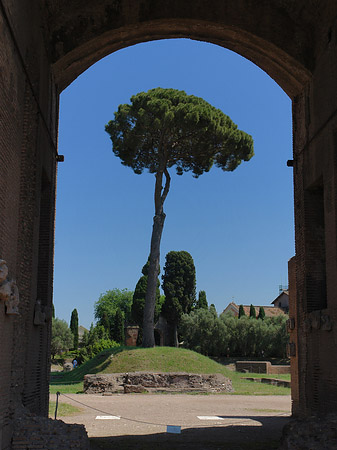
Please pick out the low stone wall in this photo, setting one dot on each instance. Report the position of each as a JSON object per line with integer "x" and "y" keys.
{"x": 137, "y": 382}
{"x": 252, "y": 366}
{"x": 35, "y": 432}
{"x": 261, "y": 367}
{"x": 278, "y": 370}
{"x": 272, "y": 381}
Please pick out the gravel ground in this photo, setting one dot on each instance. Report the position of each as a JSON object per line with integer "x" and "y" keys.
{"x": 238, "y": 422}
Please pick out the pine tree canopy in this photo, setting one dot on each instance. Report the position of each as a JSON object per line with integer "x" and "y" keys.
{"x": 162, "y": 128}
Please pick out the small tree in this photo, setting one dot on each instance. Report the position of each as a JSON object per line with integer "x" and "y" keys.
{"x": 179, "y": 289}
{"x": 241, "y": 311}
{"x": 74, "y": 327}
{"x": 62, "y": 338}
{"x": 163, "y": 128}
{"x": 109, "y": 302}
{"x": 202, "y": 301}
{"x": 97, "y": 333}
{"x": 252, "y": 312}
{"x": 118, "y": 330}
{"x": 262, "y": 313}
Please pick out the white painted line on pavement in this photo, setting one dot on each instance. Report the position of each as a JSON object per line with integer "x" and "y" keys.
{"x": 210, "y": 418}
{"x": 107, "y": 417}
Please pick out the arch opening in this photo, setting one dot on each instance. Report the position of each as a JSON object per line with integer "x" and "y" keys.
{"x": 290, "y": 74}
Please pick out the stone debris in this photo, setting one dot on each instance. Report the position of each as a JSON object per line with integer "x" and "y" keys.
{"x": 140, "y": 382}
{"x": 36, "y": 432}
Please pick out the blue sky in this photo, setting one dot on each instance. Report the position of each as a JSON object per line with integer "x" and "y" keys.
{"x": 237, "y": 226}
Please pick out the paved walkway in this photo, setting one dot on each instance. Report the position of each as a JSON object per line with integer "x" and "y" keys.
{"x": 207, "y": 421}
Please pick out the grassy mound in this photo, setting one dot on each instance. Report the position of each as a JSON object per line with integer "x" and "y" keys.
{"x": 158, "y": 359}
{"x": 162, "y": 359}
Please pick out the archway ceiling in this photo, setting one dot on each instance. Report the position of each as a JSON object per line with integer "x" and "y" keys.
{"x": 277, "y": 35}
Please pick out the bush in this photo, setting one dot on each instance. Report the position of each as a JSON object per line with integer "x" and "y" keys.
{"x": 204, "y": 332}
{"x": 88, "y": 352}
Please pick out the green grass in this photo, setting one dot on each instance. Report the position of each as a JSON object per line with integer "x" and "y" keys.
{"x": 63, "y": 409}
{"x": 94, "y": 365}
{"x": 159, "y": 359}
{"x": 70, "y": 388}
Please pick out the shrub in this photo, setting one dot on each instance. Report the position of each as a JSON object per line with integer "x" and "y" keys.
{"x": 204, "y": 332}
{"x": 93, "y": 349}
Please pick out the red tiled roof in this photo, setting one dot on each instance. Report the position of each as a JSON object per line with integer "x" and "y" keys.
{"x": 270, "y": 311}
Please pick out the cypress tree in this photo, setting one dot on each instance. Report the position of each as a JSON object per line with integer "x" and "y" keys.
{"x": 241, "y": 311}
{"x": 202, "y": 301}
{"x": 74, "y": 327}
{"x": 252, "y": 312}
{"x": 262, "y": 313}
{"x": 179, "y": 289}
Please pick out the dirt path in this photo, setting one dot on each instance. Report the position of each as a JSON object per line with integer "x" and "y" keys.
{"x": 206, "y": 421}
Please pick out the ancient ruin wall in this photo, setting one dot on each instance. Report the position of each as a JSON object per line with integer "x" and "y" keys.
{"x": 28, "y": 117}
{"x": 45, "y": 44}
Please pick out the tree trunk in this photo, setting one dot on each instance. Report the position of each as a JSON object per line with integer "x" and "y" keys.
{"x": 158, "y": 225}
{"x": 150, "y": 298}
{"x": 173, "y": 334}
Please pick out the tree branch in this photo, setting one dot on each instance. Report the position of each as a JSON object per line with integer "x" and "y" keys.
{"x": 167, "y": 186}
{"x": 158, "y": 204}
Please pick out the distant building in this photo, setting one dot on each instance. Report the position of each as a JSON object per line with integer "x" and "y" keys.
{"x": 81, "y": 331}
{"x": 282, "y": 300}
{"x": 270, "y": 311}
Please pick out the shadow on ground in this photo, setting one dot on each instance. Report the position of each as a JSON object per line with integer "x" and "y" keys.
{"x": 236, "y": 437}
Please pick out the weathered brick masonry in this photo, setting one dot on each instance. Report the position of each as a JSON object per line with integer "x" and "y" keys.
{"x": 45, "y": 44}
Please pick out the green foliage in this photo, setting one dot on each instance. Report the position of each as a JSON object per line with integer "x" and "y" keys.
{"x": 96, "y": 333}
{"x": 212, "y": 310}
{"x": 252, "y": 312}
{"x": 106, "y": 306}
{"x": 208, "y": 334}
{"x": 62, "y": 338}
{"x": 106, "y": 322}
{"x": 202, "y": 301}
{"x": 203, "y": 332}
{"x": 74, "y": 327}
{"x": 93, "y": 349}
{"x": 241, "y": 311}
{"x": 262, "y": 313}
{"x": 138, "y": 300}
{"x": 178, "y": 285}
{"x": 118, "y": 329}
{"x": 163, "y": 128}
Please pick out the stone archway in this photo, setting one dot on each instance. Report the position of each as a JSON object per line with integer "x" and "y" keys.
{"x": 45, "y": 44}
